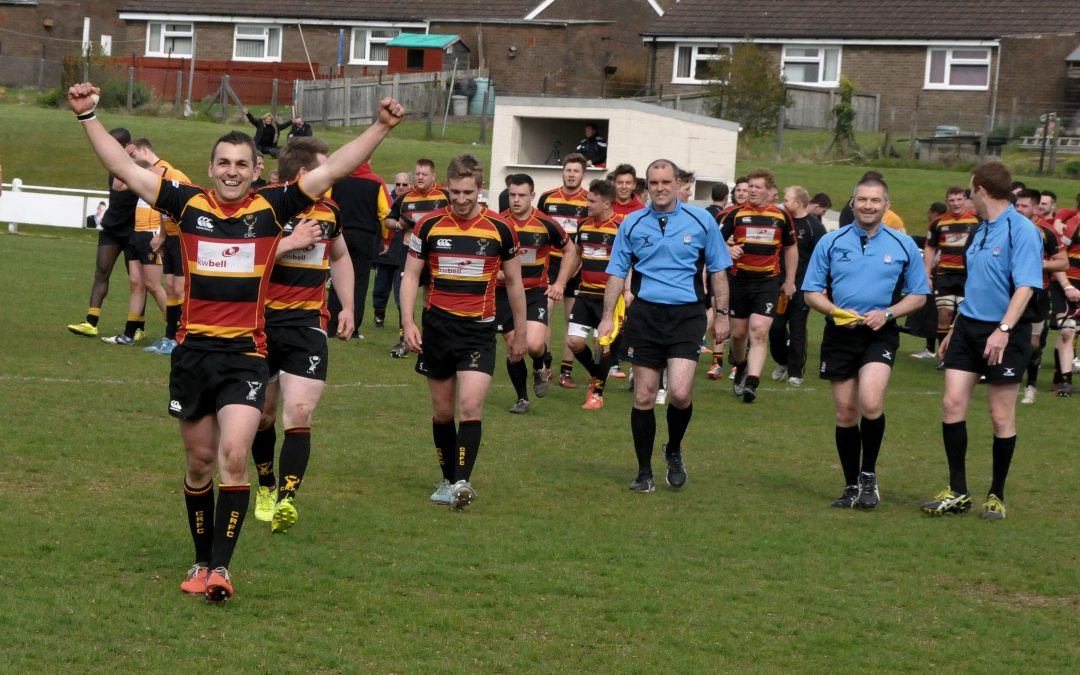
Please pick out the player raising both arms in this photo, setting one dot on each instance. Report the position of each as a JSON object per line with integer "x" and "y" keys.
{"x": 537, "y": 236}
{"x": 229, "y": 236}
{"x": 297, "y": 316}
{"x": 464, "y": 248}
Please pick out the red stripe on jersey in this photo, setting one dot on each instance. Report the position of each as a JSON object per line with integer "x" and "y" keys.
{"x": 567, "y": 209}
{"x": 595, "y": 240}
{"x": 538, "y": 239}
{"x": 762, "y": 233}
{"x": 949, "y": 235}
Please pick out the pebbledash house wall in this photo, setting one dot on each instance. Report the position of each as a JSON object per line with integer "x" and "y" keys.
{"x": 571, "y": 56}
{"x": 1032, "y": 70}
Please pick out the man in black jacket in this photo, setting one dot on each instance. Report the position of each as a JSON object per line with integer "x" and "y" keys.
{"x": 787, "y": 336}
{"x": 364, "y": 202}
{"x": 593, "y": 146}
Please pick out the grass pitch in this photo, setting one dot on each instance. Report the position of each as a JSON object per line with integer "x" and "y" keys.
{"x": 556, "y": 567}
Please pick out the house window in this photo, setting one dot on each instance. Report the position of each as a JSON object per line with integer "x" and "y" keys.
{"x": 414, "y": 59}
{"x": 369, "y": 45}
{"x": 957, "y": 68}
{"x": 169, "y": 39}
{"x": 253, "y": 42}
{"x": 805, "y": 64}
{"x": 692, "y": 62}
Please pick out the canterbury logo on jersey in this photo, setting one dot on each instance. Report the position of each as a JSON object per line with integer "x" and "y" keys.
{"x": 232, "y": 258}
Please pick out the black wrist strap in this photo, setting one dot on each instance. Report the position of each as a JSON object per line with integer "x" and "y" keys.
{"x": 86, "y": 116}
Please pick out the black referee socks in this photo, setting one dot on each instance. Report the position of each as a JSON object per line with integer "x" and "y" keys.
{"x": 643, "y": 428}
{"x": 848, "y": 447}
{"x": 1003, "y": 454}
{"x": 956, "y": 439}
{"x": 871, "y": 433}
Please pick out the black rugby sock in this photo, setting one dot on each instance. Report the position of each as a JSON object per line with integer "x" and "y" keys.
{"x": 173, "y": 311}
{"x": 591, "y": 366}
{"x": 956, "y": 440}
{"x": 445, "y": 436}
{"x": 1003, "y": 454}
{"x": 262, "y": 451}
{"x": 752, "y": 381}
{"x": 547, "y": 359}
{"x": 871, "y": 433}
{"x": 200, "y": 513}
{"x": 643, "y": 428}
{"x": 677, "y": 421}
{"x": 232, "y": 506}
{"x": 295, "y": 453}
{"x": 566, "y": 368}
{"x": 519, "y": 377}
{"x": 1057, "y": 367}
{"x": 92, "y": 316}
{"x": 848, "y": 446}
{"x": 468, "y": 447}
{"x": 538, "y": 362}
{"x": 931, "y": 343}
{"x": 132, "y": 324}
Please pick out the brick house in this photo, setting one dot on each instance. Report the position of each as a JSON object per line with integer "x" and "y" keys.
{"x": 559, "y": 47}
{"x": 930, "y": 62}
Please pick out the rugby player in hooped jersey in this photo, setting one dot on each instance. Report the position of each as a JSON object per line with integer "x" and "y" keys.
{"x": 229, "y": 237}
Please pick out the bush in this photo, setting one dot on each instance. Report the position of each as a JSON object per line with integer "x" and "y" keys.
{"x": 50, "y": 99}
{"x": 747, "y": 89}
{"x": 1072, "y": 169}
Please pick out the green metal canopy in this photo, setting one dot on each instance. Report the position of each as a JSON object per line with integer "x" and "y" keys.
{"x": 423, "y": 41}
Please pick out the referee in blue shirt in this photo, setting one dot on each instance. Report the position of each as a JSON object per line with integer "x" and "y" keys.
{"x": 863, "y": 277}
{"x": 670, "y": 245}
{"x": 991, "y": 336}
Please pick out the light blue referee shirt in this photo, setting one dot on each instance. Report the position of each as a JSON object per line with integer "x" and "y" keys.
{"x": 864, "y": 273}
{"x": 668, "y": 250}
{"x": 1002, "y": 255}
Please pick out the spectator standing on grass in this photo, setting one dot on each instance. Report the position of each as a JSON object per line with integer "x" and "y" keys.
{"x": 93, "y": 221}
{"x": 855, "y": 277}
{"x": 388, "y": 263}
{"x": 787, "y": 336}
{"x": 991, "y": 337}
{"x": 364, "y": 202}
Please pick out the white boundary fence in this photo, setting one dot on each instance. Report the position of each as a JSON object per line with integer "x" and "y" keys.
{"x": 42, "y": 205}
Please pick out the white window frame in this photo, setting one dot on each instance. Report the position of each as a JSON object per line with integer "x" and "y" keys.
{"x": 266, "y": 58}
{"x": 950, "y": 62}
{"x": 819, "y": 60}
{"x": 365, "y": 58}
{"x": 158, "y": 50}
{"x": 694, "y": 58}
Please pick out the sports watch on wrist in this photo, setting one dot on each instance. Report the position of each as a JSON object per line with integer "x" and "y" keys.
{"x": 1004, "y": 327}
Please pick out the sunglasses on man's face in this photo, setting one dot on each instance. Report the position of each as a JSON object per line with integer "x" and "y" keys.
{"x": 401, "y": 185}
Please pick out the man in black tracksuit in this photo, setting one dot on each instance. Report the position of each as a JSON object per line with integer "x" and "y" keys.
{"x": 364, "y": 202}
{"x": 787, "y": 337}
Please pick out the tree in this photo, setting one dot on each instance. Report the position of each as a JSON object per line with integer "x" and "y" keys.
{"x": 746, "y": 88}
{"x": 844, "y": 121}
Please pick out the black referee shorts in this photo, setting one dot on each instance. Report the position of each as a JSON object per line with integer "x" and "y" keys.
{"x": 969, "y": 340}
{"x": 844, "y": 351}
{"x": 654, "y": 333}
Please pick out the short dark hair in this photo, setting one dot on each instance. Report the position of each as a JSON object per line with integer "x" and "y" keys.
{"x": 938, "y": 208}
{"x": 465, "y": 166}
{"x": 1017, "y": 185}
{"x": 622, "y": 170}
{"x": 641, "y": 185}
{"x": 685, "y": 176}
{"x": 994, "y": 177}
{"x": 575, "y": 158}
{"x": 300, "y": 153}
{"x": 603, "y": 188}
{"x": 719, "y": 192}
{"x": 742, "y": 179}
{"x": 660, "y": 163}
{"x": 426, "y": 162}
{"x": 1051, "y": 195}
{"x": 954, "y": 190}
{"x": 143, "y": 143}
{"x": 521, "y": 179}
{"x": 871, "y": 174}
{"x": 1028, "y": 193}
{"x": 122, "y": 135}
{"x": 871, "y": 181}
{"x": 822, "y": 200}
{"x": 235, "y": 138}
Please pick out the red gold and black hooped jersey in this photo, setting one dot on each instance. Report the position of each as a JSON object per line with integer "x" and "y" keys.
{"x": 595, "y": 240}
{"x": 763, "y": 233}
{"x": 464, "y": 258}
{"x": 413, "y": 206}
{"x": 949, "y": 234}
{"x": 567, "y": 209}
{"x": 538, "y": 237}
{"x": 147, "y": 218}
{"x": 1051, "y": 245}
{"x": 1072, "y": 235}
{"x": 297, "y": 292}
{"x": 228, "y": 255}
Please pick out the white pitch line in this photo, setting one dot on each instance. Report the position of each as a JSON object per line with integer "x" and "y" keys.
{"x": 91, "y": 380}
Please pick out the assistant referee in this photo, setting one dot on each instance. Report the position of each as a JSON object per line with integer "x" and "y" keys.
{"x": 991, "y": 336}
{"x": 856, "y": 277}
{"x": 670, "y": 245}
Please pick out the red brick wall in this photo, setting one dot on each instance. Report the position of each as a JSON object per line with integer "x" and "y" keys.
{"x": 65, "y": 36}
{"x": 1033, "y": 72}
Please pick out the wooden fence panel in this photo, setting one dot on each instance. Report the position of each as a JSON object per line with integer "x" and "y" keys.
{"x": 355, "y": 101}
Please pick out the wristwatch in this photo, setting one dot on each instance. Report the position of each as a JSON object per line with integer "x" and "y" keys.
{"x": 889, "y": 316}
{"x": 723, "y": 311}
{"x": 1004, "y": 327}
